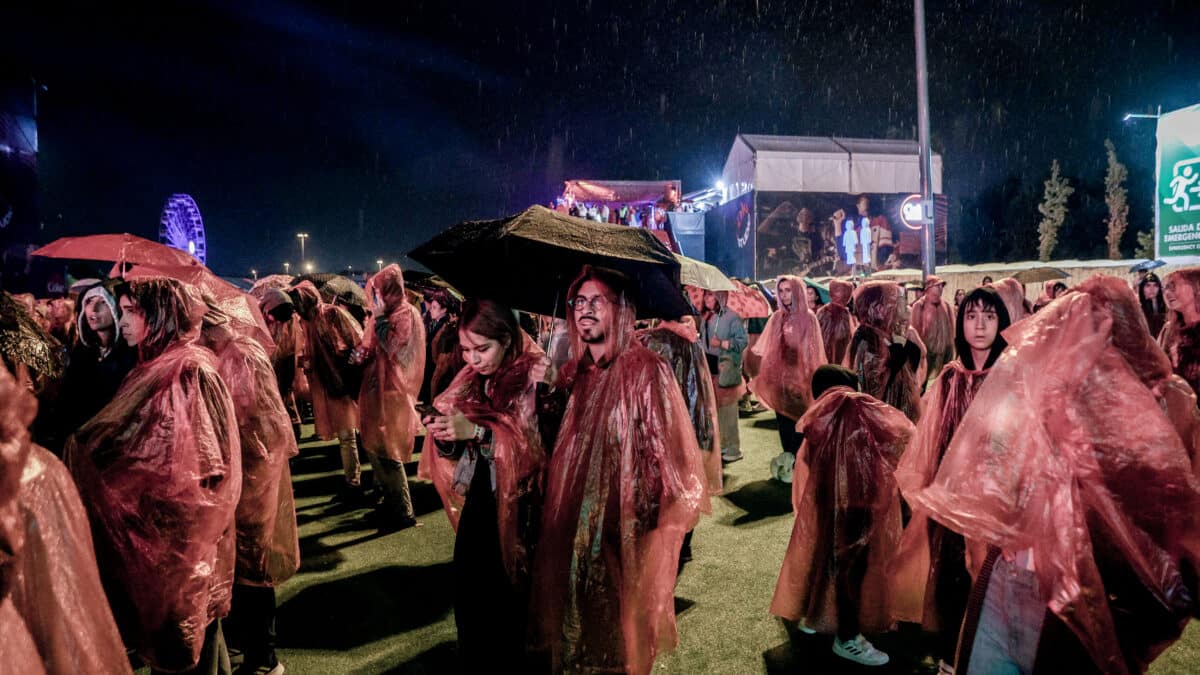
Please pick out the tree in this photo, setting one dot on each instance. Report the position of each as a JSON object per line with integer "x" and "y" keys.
{"x": 1145, "y": 247}
{"x": 1116, "y": 197}
{"x": 1054, "y": 211}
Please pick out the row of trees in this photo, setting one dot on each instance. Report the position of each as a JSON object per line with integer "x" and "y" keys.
{"x": 998, "y": 224}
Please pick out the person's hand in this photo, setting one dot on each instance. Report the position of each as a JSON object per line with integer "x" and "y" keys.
{"x": 543, "y": 372}
{"x": 714, "y": 342}
{"x": 448, "y": 429}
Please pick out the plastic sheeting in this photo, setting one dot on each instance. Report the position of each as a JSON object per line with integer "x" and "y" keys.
{"x": 836, "y": 322}
{"x": 268, "y": 545}
{"x": 509, "y": 411}
{"x": 885, "y": 370}
{"x": 393, "y": 368}
{"x": 159, "y": 471}
{"x": 1067, "y": 452}
{"x": 624, "y": 485}
{"x": 846, "y": 506}
{"x": 678, "y": 345}
{"x": 1014, "y": 298}
{"x": 915, "y": 572}
{"x": 935, "y": 325}
{"x": 791, "y": 348}
{"x": 328, "y": 339}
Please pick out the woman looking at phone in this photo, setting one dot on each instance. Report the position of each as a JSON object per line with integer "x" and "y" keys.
{"x": 492, "y": 428}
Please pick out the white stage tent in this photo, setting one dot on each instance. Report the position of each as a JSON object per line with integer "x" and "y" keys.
{"x": 824, "y": 164}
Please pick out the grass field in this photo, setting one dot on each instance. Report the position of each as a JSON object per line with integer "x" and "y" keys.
{"x": 370, "y": 603}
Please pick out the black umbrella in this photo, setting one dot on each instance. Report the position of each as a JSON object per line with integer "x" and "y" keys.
{"x": 1038, "y": 274}
{"x": 335, "y": 287}
{"x": 527, "y": 261}
{"x": 1147, "y": 265}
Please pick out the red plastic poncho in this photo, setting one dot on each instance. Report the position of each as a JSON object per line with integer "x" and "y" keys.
{"x": 1066, "y": 452}
{"x": 159, "y": 471}
{"x": 392, "y": 370}
{"x": 509, "y": 411}
{"x": 328, "y": 339}
{"x": 884, "y": 370}
{"x": 268, "y": 545}
{"x": 851, "y": 443}
{"x": 1013, "y": 295}
{"x": 791, "y": 348}
{"x": 623, "y": 487}
{"x": 837, "y": 324}
{"x": 916, "y": 568}
{"x": 677, "y": 343}
{"x": 935, "y": 325}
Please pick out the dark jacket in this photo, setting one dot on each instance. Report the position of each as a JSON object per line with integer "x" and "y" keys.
{"x": 90, "y": 382}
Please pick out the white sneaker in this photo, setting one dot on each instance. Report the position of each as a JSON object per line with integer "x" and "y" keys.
{"x": 802, "y": 626}
{"x": 859, "y": 650}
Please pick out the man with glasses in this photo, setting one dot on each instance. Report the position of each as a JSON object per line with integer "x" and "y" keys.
{"x": 625, "y": 483}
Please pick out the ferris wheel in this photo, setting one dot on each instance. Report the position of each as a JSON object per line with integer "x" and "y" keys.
{"x": 181, "y": 227}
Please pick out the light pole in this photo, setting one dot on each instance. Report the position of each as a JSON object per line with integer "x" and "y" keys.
{"x": 379, "y": 265}
{"x": 303, "y": 237}
{"x": 925, "y": 155}
{"x": 287, "y": 267}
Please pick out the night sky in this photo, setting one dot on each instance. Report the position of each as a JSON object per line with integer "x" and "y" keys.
{"x": 373, "y": 128}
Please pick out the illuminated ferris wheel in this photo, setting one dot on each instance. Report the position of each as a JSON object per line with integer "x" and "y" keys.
{"x": 181, "y": 227}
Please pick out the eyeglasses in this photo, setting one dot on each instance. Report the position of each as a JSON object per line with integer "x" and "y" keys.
{"x": 579, "y": 303}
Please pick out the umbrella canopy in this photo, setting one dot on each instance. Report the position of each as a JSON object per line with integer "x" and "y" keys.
{"x": 423, "y": 282}
{"x": 336, "y": 288}
{"x": 1147, "y": 265}
{"x": 1038, "y": 274}
{"x": 529, "y": 260}
{"x": 119, "y": 248}
{"x": 22, "y": 340}
{"x": 748, "y": 302}
{"x": 280, "y": 282}
{"x": 822, "y": 289}
{"x": 702, "y": 275}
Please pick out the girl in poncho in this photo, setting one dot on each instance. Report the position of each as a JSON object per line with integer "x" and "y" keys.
{"x": 488, "y": 466}
{"x": 930, "y": 583}
{"x": 837, "y": 324}
{"x": 885, "y": 353}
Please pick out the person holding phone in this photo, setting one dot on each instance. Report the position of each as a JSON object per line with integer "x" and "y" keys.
{"x": 491, "y": 429}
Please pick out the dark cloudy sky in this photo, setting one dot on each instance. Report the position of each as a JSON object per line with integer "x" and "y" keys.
{"x": 373, "y": 127}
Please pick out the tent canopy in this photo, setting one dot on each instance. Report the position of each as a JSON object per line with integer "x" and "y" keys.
{"x": 824, "y": 164}
{"x": 621, "y": 191}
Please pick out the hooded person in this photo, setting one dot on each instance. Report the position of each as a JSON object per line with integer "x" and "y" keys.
{"x": 98, "y": 362}
{"x": 268, "y": 546}
{"x": 834, "y": 574}
{"x": 1180, "y": 336}
{"x": 280, "y": 315}
{"x": 489, "y": 465}
{"x": 393, "y": 357}
{"x": 1077, "y": 474}
{"x": 837, "y": 323}
{"x": 330, "y": 335}
{"x": 159, "y": 472}
{"x": 930, "y": 580}
{"x": 723, "y": 339}
{"x": 933, "y": 318}
{"x": 623, "y": 486}
{"x": 1013, "y": 294}
{"x": 1150, "y": 295}
{"x": 48, "y": 571}
{"x": 443, "y": 357}
{"x": 883, "y": 352}
{"x": 791, "y": 348}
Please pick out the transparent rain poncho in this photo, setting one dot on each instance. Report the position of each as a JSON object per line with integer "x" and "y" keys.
{"x": 268, "y": 547}
{"x": 792, "y": 349}
{"x": 851, "y": 444}
{"x": 1078, "y": 449}
{"x": 328, "y": 339}
{"x": 678, "y": 344}
{"x": 159, "y": 471}
{"x": 837, "y": 324}
{"x": 393, "y": 367}
{"x": 509, "y": 412}
{"x": 1013, "y": 294}
{"x": 624, "y": 485}
{"x": 935, "y": 325}
{"x": 885, "y": 369}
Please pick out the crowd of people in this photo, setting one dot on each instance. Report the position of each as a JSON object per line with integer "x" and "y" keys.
{"x": 1018, "y": 479}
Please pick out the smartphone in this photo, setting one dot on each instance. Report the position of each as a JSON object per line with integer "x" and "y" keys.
{"x": 427, "y": 410}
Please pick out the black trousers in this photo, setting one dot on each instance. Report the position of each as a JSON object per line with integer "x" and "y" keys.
{"x": 851, "y": 570}
{"x": 789, "y": 438}
{"x": 252, "y": 616}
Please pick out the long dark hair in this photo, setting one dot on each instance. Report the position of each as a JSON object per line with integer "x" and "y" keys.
{"x": 168, "y": 310}
{"x": 984, "y": 298}
{"x": 493, "y": 321}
